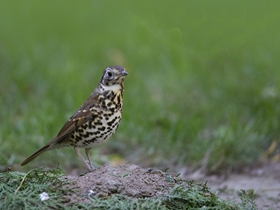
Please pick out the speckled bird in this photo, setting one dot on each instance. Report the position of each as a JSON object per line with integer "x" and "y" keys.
{"x": 96, "y": 119}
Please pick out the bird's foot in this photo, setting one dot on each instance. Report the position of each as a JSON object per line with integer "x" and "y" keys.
{"x": 90, "y": 167}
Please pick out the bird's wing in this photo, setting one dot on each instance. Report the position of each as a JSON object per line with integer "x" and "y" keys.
{"x": 82, "y": 115}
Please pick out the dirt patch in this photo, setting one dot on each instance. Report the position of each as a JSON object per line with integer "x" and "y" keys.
{"x": 129, "y": 180}
{"x": 264, "y": 181}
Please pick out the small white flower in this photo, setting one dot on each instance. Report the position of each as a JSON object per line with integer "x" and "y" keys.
{"x": 90, "y": 192}
{"x": 44, "y": 196}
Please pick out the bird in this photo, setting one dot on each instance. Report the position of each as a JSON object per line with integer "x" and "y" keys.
{"x": 95, "y": 120}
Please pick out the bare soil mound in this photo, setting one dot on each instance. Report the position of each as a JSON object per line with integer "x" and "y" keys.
{"x": 128, "y": 180}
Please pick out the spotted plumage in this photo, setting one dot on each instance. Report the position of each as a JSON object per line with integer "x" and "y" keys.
{"x": 95, "y": 121}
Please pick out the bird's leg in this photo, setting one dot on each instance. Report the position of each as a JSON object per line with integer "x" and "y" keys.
{"x": 87, "y": 150}
{"x": 80, "y": 155}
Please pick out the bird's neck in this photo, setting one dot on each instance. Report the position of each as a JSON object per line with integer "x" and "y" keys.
{"x": 114, "y": 88}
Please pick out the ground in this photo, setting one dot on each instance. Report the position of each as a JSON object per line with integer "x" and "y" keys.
{"x": 125, "y": 179}
{"x": 134, "y": 181}
{"x": 264, "y": 180}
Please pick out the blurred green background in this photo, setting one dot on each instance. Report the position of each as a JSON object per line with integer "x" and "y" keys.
{"x": 203, "y": 82}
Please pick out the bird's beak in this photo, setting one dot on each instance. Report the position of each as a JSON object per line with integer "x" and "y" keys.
{"x": 124, "y": 73}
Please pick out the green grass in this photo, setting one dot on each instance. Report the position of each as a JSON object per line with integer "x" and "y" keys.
{"x": 22, "y": 191}
{"x": 203, "y": 76}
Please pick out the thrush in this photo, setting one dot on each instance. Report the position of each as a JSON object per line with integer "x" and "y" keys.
{"x": 96, "y": 119}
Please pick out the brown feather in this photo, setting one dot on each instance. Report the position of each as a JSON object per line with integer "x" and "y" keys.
{"x": 36, "y": 154}
{"x": 79, "y": 117}
{"x": 74, "y": 122}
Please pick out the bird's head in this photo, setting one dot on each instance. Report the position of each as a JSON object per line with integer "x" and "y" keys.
{"x": 113, "y": 77}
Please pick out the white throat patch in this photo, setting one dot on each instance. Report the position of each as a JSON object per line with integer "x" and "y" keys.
{"x": 115, "y": 87}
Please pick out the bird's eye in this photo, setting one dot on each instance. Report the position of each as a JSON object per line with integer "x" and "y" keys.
{"x": 109, "y": 74}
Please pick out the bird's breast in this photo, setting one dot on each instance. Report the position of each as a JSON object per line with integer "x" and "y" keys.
{"x": 104, "y": 122}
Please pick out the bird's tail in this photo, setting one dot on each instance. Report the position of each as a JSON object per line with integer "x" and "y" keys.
{"x": 32, "y": 157}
